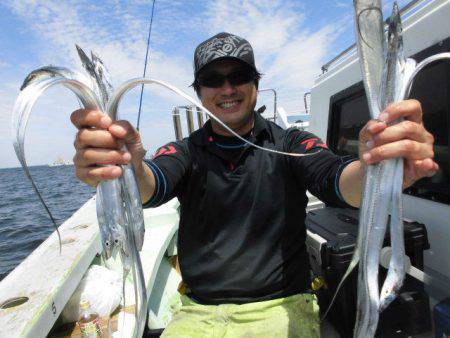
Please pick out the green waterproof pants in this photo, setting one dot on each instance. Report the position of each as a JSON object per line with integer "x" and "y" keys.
{"x": 294, "y": 316}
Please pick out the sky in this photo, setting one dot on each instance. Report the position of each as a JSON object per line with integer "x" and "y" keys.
{"x": 291, "y": 41}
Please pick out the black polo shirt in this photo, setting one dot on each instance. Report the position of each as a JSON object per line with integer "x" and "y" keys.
{"x": 242, "y": 234}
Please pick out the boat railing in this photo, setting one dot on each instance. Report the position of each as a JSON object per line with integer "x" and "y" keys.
{"x": 274, "y": 117}
{"x": 189, "y": 113}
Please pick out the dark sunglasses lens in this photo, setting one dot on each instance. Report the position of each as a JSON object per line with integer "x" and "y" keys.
{"x": 241, "y": 77}
{"x": 212, "y": 80}
{"x": 215, "y": 80}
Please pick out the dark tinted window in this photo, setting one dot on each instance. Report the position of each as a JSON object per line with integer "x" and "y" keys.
{"x": 349, "y": 112}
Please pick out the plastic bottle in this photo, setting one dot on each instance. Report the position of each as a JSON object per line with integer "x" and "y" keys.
{"x": 89, "y": 321}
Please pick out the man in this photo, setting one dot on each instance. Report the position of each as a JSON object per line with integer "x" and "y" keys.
{"x": 241, "y": 240}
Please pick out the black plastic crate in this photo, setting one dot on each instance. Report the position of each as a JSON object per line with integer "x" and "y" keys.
{"x": 332, "y": 234}
{"x": 442, "y": 318}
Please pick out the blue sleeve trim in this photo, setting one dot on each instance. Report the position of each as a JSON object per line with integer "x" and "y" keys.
{"x": 159, "y": 194}
{"x": 150, "y": 202}
{"x": 346, "y": 161}
{"x": 163, "y": 179}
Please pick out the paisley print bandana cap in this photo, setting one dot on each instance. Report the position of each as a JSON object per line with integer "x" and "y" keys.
{"x": 223, "y": 45}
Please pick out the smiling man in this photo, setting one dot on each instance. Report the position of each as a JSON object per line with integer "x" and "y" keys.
{"x": 226, "y": 81}
{"x": 230, "y": 105}
{"x": 241, "y": 241}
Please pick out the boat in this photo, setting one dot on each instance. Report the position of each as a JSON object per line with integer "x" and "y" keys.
{"x": 60, "y": 162}
{"x": 34, "y": 294}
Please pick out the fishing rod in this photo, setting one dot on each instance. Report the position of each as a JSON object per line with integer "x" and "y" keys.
{"x": 145, "y": 65}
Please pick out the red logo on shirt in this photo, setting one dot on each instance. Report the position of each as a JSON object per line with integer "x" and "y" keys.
{"x": 314, "y": 142}
{"x": 165, "y": 151}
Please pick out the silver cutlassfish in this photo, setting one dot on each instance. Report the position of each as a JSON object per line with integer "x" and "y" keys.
{"x": 33, "y": 86}
{"x": 119, "y": 204}
{"x": 116, "y": 210}
{"x": 387, "y": 77}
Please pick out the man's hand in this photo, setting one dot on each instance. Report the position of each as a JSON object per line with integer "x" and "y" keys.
{"x": 99, "y": 146}
{"x": 379, "y": 140}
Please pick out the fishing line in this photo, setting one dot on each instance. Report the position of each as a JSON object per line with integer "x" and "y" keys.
{"x": 145, "y": 65}
{"x": 113, "y": 105}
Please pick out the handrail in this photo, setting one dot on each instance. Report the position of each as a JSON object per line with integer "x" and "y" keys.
{"x": 274, "y": 101}
{"x": 177, "y": 124}
{"x": 189, "y": 119}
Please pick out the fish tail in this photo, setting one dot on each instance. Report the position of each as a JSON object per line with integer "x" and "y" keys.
{"x": 350, "y": 268}
{"x": 124, "y": 274}
{"x": 396, "y": 272}
{"x": 47, "y": 209}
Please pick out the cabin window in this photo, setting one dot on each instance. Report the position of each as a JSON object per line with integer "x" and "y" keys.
{"x": 349, "y": 112}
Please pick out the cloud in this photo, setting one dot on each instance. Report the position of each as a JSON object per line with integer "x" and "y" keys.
{"x": 110, "y": 29}
{"x": 266, "y": 24}
{"x": 287, "y": 52}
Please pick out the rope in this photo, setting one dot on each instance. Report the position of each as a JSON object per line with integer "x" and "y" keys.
{"x": 145, "y": 64}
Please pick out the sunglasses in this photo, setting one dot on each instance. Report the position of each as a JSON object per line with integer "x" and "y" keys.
{"x": 235, "y": 78}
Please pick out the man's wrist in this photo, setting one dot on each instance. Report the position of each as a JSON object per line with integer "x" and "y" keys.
{"x": 141, "y": 169}
{"x": 350, "y": 182}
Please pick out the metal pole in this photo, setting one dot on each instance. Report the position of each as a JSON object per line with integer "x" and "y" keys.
{"x": 177, "y": 124}
{"x": 274, "y": 106}
{"x": 199, "y": 117}
{"x": 190, "y": 120}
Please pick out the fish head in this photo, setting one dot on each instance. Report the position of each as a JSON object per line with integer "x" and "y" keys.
{"x": 33, "y": 76}
{"x": 395, "y": 29}
{"x": 102, "y": 71}
{"x": 107, "y": 242}
{"x": 85, "y": 60}
{"x": 41, "y": 73}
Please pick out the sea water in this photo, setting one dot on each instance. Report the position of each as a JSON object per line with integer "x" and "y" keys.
{"x": 24, "y": 223}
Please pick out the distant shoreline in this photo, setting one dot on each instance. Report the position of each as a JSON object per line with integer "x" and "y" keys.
{"x": 37, "y": 165}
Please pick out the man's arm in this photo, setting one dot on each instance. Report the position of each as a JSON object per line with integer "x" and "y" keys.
{"x": 351, "y": 182}
{"x": 146, "y": 182}
{"x": 379, "y": 141}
